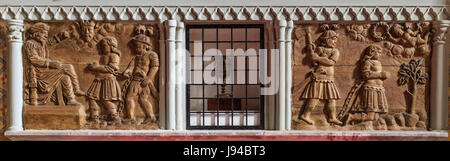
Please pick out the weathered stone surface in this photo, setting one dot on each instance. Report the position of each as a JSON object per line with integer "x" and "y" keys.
{"x": 380, "y": 124}
{"x": 391, "y": 123}
{"x": 411, "y": 119}
{"x": 99, "y": 58}
{"x": 399, "y": 119}
{"x": 52, "y": 117}
{"x": 421, "y": 125}
{"x": 352, "y": 43}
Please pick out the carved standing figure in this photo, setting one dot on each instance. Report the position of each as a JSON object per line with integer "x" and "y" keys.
{"x": 141, "y": 72}
{"x": 105, "y": 89}
{"x": 321, "y": 85}
{"x": 371, "y": 101}
{"x": 46, "y": 76}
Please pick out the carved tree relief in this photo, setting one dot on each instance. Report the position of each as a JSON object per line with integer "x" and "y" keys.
{"x": 375, "y": 98}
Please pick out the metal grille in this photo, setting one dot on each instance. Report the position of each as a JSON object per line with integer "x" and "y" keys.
{"x": 228, "y": 105}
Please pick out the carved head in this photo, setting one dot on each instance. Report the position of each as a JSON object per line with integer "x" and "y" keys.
{"x": 329, "y": 39}
{"x": 39, "y": 32}
{"x": 87, "y": 30}
{"x": 141, "y": 44}
{"x": 140, "y": 29}
{"x": 372, "y": 52}
{"x": 109, "y": 44}
{"x": 397, "y": 30}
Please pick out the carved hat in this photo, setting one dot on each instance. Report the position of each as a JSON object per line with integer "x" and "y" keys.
{"x": 328, "y": 34}
{"x": 142, "y": 38}
{"x": 86, "y": 23}
{"x": 39, "y": 27}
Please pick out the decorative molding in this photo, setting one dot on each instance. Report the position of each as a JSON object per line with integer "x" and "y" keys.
{"x": 440, "y": 30}
{"x": 15, "y": 29}
{"x": 300, "y": 13}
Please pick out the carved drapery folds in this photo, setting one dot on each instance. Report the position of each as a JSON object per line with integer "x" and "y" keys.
{"x": 370, "y": 79}
{"x": 103, "y": 75}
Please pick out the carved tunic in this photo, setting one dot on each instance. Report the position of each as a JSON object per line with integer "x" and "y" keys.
{"x": 372, "y": 97}
{"x": 322, "y": 84}
{"x": 105, "y": 85}
{"x": 38, "y": 72}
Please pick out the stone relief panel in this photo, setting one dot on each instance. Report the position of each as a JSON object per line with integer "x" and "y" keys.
{"x": 3, "y": 83}
{"x": 371, "y": 76}
{"x": 91, "y": 75}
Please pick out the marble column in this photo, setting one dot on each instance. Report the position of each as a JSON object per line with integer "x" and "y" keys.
{"x": 180, "y": 81}
{"x": 15, "y": 75}
{"x": 171, "y": 33}
{"x": 439, "y": 77}
{"x": 282, "y": 91}
{"x": 288, "y": 80}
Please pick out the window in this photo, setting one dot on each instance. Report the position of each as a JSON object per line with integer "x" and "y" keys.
{"x": 223, "y": 91}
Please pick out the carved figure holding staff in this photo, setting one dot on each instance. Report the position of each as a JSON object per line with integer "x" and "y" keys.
{"x": 321, "y": 86}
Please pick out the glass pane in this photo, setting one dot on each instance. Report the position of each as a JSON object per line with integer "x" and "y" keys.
{"x": 239, "y": 46}
{"x": 239, "y": 77}
{"x": 211, "y": 91}
{"x": 210, "y": 48}
{"x": 254, "y": 46}
{"x": 253, "y": 104}
{"x": 195, "y": 48}
{"x": 196, "y": 77}
{"x": 196, "y": 63}
{"x": 196, "y": 91}
{"x": 196, "y": 105}
{"x": 223, "y": 47}
{"x": 225, "y": 34}
{"x": 239, "y": 63}
{"x": 239, "y": 34}
{"x": 239, "y": 91}
{"x": 210, "y": 35}
{"x": 253, "y": 62}
{"x": 195, "y": 34}
{"x": 254, "y": 91}
{"x": 253, "y": 77}
{"x": 253, "y": 34}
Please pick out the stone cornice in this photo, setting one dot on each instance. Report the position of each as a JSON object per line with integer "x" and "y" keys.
{"x": 303, "y": 13}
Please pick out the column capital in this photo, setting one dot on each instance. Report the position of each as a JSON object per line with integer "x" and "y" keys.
{"x": 180, "y": 24}
{"x": 440, "y": 29}
{"x": 15, "y": 30}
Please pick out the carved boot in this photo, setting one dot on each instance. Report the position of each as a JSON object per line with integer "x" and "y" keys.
{"x": 149, "y": 120}
{"x": 305, "y": 115}
{"x": 76, "y": 88}
{"x": 73, "y": 101}
{"x": 332, "y": 116}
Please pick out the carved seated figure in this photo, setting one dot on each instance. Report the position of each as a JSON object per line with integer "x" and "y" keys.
{"x": 45, "y": 77}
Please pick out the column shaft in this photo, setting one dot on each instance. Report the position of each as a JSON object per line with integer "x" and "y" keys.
{"x": 439, "y": 71}
{"x": 15, "y": 75}
{"x": 171, "y": 28}
{"x": 288, "y": 80}
{"x": 180, "y": 65}
{"x": 282, "y": 90}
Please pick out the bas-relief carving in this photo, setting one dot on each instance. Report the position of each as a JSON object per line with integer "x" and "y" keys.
{"x": 379, "y": 58}
{"x": 102, "y": 68}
